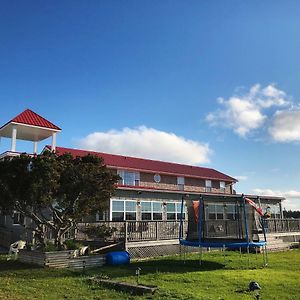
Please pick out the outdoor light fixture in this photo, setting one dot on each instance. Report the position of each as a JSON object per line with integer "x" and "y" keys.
{"x": 137, "y": 273}
{"x": 255, "y": 288}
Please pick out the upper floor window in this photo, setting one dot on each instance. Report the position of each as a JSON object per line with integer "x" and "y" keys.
{"x": 180, "y": 183}
{"x": 208, "y": 185}
{"x": 222, "y": 186}
{"x": 129, "y": 178}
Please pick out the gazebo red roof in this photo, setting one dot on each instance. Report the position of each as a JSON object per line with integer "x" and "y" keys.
{"x": 29, "y": 117}
{"x": 148, "y": 165}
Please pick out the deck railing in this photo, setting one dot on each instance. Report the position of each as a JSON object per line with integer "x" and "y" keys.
{"x": 133, "y": 231}
{"x": 282, "y": 225}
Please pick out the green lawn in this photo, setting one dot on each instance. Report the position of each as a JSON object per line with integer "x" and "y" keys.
{"x": 212, "y": 280}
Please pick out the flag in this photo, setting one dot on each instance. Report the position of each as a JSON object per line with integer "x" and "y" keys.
{"x": 255, "y": 206}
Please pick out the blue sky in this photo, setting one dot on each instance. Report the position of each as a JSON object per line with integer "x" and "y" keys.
{"x": 210, "y": 83}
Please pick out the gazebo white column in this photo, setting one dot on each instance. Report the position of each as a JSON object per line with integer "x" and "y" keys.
{"x": 53, "y": 144}
{"x": 13, "y": 138}
{"x": 35, "y": 147}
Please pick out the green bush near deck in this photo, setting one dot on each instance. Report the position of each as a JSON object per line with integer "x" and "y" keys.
{"x": 212, "y": 280}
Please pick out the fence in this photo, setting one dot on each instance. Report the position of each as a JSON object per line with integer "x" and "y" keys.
{"x": 282, "y": 225}
{"x": 134, "y": 231}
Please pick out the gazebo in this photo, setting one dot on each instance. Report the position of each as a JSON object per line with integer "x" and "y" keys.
{"x": 28, "y": 126}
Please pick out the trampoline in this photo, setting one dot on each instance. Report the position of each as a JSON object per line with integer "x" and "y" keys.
{"x": 223, "y": 221}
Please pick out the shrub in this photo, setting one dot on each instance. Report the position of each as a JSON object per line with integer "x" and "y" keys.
{"x": 101, "y": 231}
{"x": 72, "y": 245}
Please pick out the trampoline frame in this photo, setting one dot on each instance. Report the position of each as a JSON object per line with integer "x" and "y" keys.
{"x": 224, "y": 245}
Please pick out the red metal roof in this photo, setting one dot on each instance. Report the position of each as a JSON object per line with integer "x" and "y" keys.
{"x": 148, "y": 165}
{"x": 31, "y": 118}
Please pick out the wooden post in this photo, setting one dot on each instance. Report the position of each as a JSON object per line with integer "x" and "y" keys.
{"x": 156, "y": 230}
{"x": 126, "y": 236}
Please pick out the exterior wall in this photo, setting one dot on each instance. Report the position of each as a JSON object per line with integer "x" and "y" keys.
{"x": 169, "y": 182}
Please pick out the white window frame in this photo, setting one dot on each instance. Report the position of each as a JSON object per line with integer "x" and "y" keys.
{"x": 222, "y": 186}
{"x": 180, "y": 182}
{"x": 136, "y": 177}
{"x": 176, "y": 211}
{"x": 124, "y": 208}
{"x": 208, "y": 185}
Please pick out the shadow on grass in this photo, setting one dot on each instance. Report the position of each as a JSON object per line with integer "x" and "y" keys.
{"x": 31, "y": 271}
{"x": 158, "y": 266}
{"x": 161, "y": 265}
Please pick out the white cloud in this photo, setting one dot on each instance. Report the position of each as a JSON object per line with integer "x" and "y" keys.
{"x": 244, "y": 113}
{"x": 148, "y": 143}
{"x": 286, "y": 126}
{"x": 292, "y": 197}
{"x": 241, "y": 177}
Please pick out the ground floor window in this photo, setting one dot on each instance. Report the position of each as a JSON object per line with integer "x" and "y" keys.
{"x": 151, "y": 210}
{"x": 231, "y": 212}
{"x": 272, "y": 210}
{"x": 174, "y": 211}
{"x": 123, "y": 210}
{"x": 215, "y": 211}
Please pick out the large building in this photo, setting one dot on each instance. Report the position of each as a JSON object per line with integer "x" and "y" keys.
{"x": 148, "y": 190}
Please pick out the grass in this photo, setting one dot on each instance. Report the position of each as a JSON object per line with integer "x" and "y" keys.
{"x": 212, "y": 280}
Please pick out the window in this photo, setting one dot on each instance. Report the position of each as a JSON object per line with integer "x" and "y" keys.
{"x": 156, "y": 208}
{"x": 178, "y": 211}
{"x": 101, "y": 216}
{"x": 208, "y": 185}
{"x": 18, "y": 218}
{"x": 151, "y": 210}
{"x": 231, "y": 212}
{"x": 130, "y": 210}
{"x": 222, "y": 186}
{"x": 171, "y": 211}
{"x": 123, "y": 210}
{"x": 174, "y": 211}
{"x": 215, "y": 211}
{"x": 146, "y": 210}
{"x": 180, "y": 183}
{"x": 129, "y": 178}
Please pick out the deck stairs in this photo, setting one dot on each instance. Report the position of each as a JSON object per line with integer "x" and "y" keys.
{"x": 280, "y": 241}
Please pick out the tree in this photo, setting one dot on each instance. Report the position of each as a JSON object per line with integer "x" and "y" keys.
{"x": 56, "y": 192}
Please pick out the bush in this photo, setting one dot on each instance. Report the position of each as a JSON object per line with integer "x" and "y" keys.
{"x": 101, "y": 231}
{"x": 49, "y": 247}
{"x": 72, "y": 245}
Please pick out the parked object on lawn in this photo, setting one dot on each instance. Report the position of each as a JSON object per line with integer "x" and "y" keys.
{"x": 15, "y": 247}
{"x": 254, "y": 287}
{"x": 118, "y": 258}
